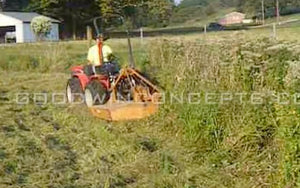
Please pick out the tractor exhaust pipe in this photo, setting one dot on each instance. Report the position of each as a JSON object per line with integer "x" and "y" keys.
{"x": 131, "y": 59}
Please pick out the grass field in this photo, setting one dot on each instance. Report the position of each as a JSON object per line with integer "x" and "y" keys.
{"x": 190, "y": 145}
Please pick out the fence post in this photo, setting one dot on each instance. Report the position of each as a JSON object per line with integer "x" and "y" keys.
{"x": 263, "y": 11}
{"x": 142, "y": 34}
{"x": 89, "y": 35}
{"x": 274, "y": 31}
{"x": 205, "y": 29}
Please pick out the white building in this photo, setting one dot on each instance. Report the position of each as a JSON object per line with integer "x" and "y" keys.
{"x": 18, "y": 24}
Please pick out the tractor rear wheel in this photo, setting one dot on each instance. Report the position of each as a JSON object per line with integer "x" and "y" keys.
{"x": 74, "y": 91}
{"x": 96, "y": 94}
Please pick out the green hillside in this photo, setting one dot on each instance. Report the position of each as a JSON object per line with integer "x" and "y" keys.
{"x": 200, "y": 12}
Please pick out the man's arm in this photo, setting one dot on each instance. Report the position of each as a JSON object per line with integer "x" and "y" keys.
{"x": 107, "y": 52}
{"x": 90, "y": 56}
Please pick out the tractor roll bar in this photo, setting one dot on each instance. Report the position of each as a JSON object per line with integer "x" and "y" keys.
{"x": 100, "y": 32}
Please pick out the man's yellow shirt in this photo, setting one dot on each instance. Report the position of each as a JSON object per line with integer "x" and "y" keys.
{"x": 93, "y": 55}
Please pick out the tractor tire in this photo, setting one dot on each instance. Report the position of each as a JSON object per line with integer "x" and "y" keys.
{"x": 74, "y": 91}
{"x": 96, "y": 94}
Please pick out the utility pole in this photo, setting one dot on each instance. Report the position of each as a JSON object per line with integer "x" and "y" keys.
{"x": 1, "y": 5}
{"x": 263, "y": 11}
{"x": 277, "y": 11}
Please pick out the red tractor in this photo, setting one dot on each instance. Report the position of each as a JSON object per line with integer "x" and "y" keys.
{"x": 111, "y": 93}
{"x": 91, "y": 84}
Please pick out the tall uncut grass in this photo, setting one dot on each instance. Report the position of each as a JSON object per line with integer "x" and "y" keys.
{"x": 244, "y": 142}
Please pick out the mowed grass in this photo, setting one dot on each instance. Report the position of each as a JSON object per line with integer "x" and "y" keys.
{"x": 64, "y": 146}
{"x": 61, "y": 146}
{"x": 49, "y": 145}
{"x": 188, "y": 145}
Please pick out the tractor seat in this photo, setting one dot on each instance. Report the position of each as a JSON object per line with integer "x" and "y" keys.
{"x": 106, "y": 69}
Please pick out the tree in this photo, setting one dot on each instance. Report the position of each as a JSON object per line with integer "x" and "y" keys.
{"x": 41, "y": 26}
{"x": 14, "y": 5}
{"x": 1, "y": 5}
{"x": 127, "y": 8}
{"x": 140, "y": 12}
{"x": 160, "y": 12}
{"x": 192, "y": 3}
{"x": 254, "y": 6}
{"x": 71, "y": 12}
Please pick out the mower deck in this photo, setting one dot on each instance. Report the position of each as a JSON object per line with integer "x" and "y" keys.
{"x": 124, "y": 111}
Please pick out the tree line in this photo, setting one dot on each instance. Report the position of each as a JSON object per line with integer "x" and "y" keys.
{"x": 77, "y": 14}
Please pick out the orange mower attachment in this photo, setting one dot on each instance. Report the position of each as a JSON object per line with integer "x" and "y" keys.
{"x": 143, "y": 100}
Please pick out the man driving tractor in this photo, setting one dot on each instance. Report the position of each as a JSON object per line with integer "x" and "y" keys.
{"x": 101, "y": 62}
{"x": 102, "y": 81}
{"x": 93, "y": 54}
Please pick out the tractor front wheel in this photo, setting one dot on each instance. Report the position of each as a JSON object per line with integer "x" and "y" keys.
{"x": 96, "y": 94}
{"x": 74, "y": 91}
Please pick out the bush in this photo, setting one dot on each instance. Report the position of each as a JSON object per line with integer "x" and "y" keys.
{"x": 41, "y": 26}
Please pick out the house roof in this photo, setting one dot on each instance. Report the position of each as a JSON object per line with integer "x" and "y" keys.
{"x": 26, "y": 16}
{"x": 235, "y": 13}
